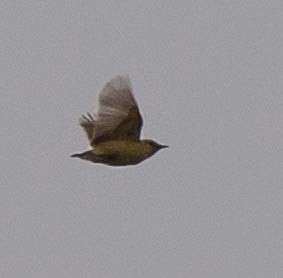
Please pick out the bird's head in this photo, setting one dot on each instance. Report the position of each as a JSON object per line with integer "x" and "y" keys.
{"x": 152, "y": 146}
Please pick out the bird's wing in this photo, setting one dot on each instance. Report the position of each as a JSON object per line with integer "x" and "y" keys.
{"x": 118, "y": 115}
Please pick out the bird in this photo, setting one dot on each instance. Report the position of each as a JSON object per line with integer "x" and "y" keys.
{"x": 114, "y": 131}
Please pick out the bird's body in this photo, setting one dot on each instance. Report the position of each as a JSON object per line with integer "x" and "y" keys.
{"x": 115, "y": 133}
{"x": 119, "y": 153}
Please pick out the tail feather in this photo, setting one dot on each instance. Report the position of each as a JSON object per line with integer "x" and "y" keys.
{"x": 88, "y": 155}
{"x": 76, "y": 155}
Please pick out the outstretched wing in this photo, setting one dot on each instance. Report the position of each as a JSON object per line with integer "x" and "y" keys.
{"x": 118, "y": 115}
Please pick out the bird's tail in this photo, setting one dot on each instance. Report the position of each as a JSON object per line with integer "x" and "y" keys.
{"x": 88, "y": 155}
{"x": 76, "y": 155}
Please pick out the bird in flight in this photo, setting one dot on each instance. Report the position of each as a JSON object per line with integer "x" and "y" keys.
{"x": 114, "y": 132}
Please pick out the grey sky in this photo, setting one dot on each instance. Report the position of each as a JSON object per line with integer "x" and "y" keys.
{"x": 208, "y": 79}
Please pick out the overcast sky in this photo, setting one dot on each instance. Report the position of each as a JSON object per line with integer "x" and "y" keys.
{"x": 207, "y": 76}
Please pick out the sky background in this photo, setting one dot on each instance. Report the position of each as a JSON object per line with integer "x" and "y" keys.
{"x": 208, "y": 79}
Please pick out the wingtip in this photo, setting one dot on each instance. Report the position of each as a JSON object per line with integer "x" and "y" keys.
{"x": 120, "y": 82}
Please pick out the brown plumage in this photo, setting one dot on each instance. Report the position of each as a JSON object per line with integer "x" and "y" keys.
{"x": 114, "y": 133}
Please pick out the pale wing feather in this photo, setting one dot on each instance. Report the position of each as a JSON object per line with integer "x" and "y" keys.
{"x": 88, "y": 123}
{"x": 115, "y": 102}
{"x": 117, "y": 94}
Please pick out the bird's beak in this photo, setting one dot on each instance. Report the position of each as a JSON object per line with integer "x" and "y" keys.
{"x": 163, "y": 146}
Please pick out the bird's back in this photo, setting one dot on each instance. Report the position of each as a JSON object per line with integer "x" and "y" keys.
{"x": 121, "y": 152}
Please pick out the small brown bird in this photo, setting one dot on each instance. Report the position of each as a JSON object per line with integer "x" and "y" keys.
{"x": 114, "y": 133}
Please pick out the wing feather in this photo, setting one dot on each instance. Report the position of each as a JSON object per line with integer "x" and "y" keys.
{"x": 118, "y": 115}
